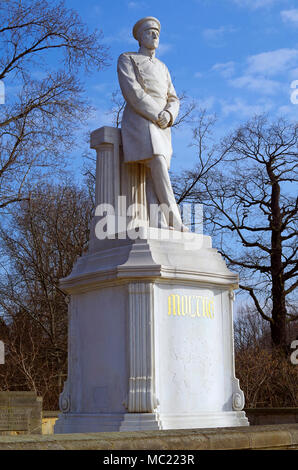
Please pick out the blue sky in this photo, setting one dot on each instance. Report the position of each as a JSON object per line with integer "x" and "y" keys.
{"x": 234, "y": 57}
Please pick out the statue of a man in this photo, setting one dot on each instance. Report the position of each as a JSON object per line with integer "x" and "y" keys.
{"x": 151, "y": 108}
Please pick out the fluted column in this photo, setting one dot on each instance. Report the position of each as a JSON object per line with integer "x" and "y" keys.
{"x": 115, "y": 178}
{"x": 141, "y": 396}
{"x": 238, "y": 400}
{"x": 133, "y": 181}
{"x": 106, "y": 142}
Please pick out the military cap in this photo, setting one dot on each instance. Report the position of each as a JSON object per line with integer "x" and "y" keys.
{"x": 145, "y": 23}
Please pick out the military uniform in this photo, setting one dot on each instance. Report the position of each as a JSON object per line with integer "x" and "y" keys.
{"x": 148, "y": 90}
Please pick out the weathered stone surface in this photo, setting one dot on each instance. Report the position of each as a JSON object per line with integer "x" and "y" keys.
{"x": 157, "y": 291}
{"x": 14, "y": 419}
{"x": 256, "y": 416}
{"x": 49, "y": 419}
{"x": 240, "y": 438}
{"x": 20, "y": 411}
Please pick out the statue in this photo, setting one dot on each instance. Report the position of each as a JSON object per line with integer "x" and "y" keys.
{"x": 151, "y": 315}
{"x": 151, "y": 108}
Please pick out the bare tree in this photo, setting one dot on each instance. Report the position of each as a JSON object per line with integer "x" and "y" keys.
{"x": 43, "y": 47}
{"x": 267, "y": 379}
{"x": 250, "y": 196}
{"x": 117, "y": 107}
{"x": 40, "y": 245}
{"x": 208, "y": 155}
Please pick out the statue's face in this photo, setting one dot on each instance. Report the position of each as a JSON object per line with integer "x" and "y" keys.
{"x": 150, "y": 38}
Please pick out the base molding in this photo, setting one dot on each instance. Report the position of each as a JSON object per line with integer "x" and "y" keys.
{"x": 204, "y": 420}
{"x": 69, "y": 423}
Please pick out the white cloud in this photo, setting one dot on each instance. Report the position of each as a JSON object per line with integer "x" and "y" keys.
{"x": 216, "y": 35}
{"x": 273, "y": 62}
{"x": 198, "y": 75}
{"x": 290, "y": 16}
{"x": 255, "y": 4}
{"x": 289, "y": 111}
{"x": 100, "y": 87}
{"x": 124, "y": 35}
{"x": 294, "y": 74}
{"x": 101, "y": 117}
{"x": 244, "y": 109}
{"x": 225, "y": 69}
{"x": 258, "y": 84}
{"x": 135, "y": 4}
{"x": 266, "y": 73}
{"x": 206, "y": 103}
{"x": 163, "y": 48}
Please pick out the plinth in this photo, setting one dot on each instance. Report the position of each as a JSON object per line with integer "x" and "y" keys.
{"x": 150, "y": 324}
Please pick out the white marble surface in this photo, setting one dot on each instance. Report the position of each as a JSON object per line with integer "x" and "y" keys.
{"x": 136, "y": 361}
{"x": 133, "y": 364}
{"x": 152, "y": 104}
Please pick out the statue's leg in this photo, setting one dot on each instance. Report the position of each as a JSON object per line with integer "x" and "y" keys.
{"x": 164, "y": 191}
{"x": 156, "y": 216}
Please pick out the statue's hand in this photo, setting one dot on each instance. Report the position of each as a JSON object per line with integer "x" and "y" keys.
{"x": 163, "y": 119}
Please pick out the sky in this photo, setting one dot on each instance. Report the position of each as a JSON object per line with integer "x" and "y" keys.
{"x": 235, "y": 58}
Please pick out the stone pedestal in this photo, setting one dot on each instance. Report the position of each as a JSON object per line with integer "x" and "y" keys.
{"x": 151, "y": 337}
{"x": 150, "y": 321}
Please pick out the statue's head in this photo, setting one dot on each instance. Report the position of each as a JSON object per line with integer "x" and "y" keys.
{"x": 146, "y": 32}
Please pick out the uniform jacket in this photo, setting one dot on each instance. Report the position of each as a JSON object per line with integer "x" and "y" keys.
{"x": 147, "y": 89}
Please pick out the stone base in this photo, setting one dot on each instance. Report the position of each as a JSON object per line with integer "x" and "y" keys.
{"x": 105, "y": 422}
{"x": 273, "y": 437}
{"x": 80, "y": 423}
{"x": 203, "y": 420}
{"x": 150, "y": 337}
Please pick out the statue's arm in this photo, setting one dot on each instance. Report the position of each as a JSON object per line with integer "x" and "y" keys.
{"x": 173, "y": 103}
{"x": 133, "y": 93}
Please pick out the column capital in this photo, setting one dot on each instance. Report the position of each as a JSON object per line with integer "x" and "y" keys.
{"x": 105, "y": 135}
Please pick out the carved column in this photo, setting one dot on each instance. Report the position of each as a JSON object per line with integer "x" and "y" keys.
{"x": 133, "y": 185}
{"x": 238, "y": 400}
{"x": 141, "y": 395}
{"x": 115, "y": 178}
{"x": 64, "y": 397}
{"x": 106, "y": 142}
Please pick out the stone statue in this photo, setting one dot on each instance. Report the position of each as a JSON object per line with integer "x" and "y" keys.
{"x": 150, "y": 310}
{"x": 151, "y": 108}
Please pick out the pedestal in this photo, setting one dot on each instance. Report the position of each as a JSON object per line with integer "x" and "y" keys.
{"x": 150, "y": 337}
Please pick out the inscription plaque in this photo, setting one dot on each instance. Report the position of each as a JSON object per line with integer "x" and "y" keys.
{"x": 20, "y": 412}
{"x": 14, "y": 419}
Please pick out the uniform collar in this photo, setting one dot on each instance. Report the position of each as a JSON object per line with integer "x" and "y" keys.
{"x": 147, "y": 52}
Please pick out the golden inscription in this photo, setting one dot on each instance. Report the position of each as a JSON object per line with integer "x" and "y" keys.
{"x": 194, "y": 306}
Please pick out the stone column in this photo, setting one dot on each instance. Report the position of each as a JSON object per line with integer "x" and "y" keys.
{"x": 106, "y": 141}
{"x": 115, "y": 178}
{"x": 141, "y": 393}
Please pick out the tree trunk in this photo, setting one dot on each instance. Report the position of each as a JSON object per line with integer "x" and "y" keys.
{"x": 278, "y": 326}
